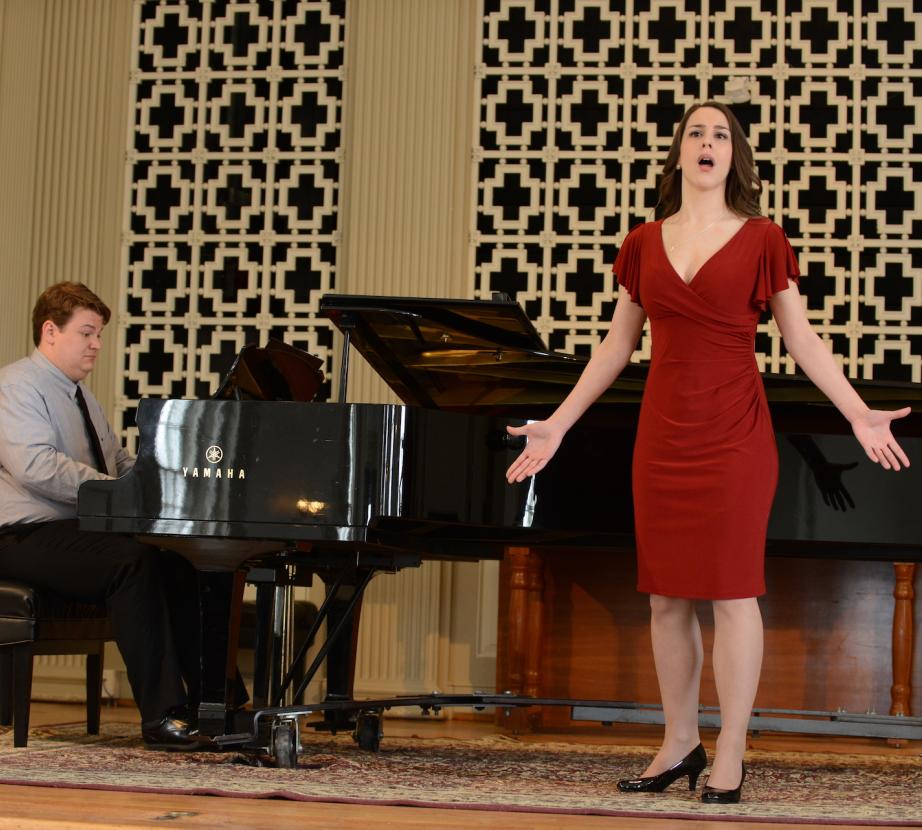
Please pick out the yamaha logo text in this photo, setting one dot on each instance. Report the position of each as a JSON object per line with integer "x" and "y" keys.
{"x": 214, "y": 455}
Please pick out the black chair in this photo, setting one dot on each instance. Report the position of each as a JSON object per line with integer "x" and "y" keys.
{"x": 36, "y": 622}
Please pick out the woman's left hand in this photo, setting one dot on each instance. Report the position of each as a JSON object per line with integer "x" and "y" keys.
{"x": 873, "y": 433}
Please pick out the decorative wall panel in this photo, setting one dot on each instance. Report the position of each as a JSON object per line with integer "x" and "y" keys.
{"x": 578, "y": 100}
{"x": 63, "y": 102}
{"x": 232, "y": 221}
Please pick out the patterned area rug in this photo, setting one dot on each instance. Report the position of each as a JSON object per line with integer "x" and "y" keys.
{"x": 495, "y": 773}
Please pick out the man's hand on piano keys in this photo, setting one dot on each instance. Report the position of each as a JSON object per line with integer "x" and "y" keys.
{"x": 872, "y": 429}
{"x": 543, "y": 439}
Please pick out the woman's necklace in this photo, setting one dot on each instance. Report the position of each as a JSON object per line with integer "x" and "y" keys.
{"x": 703, "y": 230}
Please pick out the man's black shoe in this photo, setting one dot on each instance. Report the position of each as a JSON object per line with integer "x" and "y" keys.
{"x": 172, "y": 734}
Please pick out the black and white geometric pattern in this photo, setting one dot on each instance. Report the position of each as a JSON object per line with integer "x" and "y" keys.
{"x": 578, "y": 100}
{"x": 232, "y": 218}
{"x": 231, "y": 229}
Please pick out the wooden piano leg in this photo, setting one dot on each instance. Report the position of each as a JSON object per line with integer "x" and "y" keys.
{"x": 903, "y": 638}
{"x": 519, "y": 663}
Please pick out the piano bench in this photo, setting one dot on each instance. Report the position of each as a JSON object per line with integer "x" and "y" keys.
{"x": 36, "y": 622}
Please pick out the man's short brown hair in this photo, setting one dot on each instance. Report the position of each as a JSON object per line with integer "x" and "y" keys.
{"x": 58, "y": 304}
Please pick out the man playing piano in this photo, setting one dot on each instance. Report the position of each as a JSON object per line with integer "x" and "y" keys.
{"x": 53, "y": 437}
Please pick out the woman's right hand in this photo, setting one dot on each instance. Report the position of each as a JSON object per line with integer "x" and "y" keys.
{"x": 543, "y": 439}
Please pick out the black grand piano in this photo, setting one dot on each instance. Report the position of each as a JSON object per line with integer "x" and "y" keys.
{"x": 346, "y": 491}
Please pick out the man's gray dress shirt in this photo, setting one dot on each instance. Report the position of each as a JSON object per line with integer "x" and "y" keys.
{"x": 45, "y": 452}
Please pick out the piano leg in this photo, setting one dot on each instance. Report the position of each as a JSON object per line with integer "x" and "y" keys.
{"x": 341, "y": 657}
{"x": 273, "y": 643}
{"x": 263, "y": 651}
{"x": 903, "y": 638}
{"x": 220, "y": 597}
{"x": 282, "y": 639}
{"x": 519, "y": 664}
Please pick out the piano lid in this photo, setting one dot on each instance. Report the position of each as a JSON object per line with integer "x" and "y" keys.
{"x": 461, "y": 354}
{"x": 486, "y": 356}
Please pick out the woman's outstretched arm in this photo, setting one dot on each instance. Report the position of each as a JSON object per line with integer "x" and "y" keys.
{"x": 871, "y": 426}
{"x": 607, "y": 362}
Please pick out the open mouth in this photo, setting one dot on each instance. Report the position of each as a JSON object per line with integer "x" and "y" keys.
{"x": 705, "y": 161}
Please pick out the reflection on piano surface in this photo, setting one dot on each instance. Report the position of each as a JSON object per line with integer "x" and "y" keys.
{"x": 347, "y": 490}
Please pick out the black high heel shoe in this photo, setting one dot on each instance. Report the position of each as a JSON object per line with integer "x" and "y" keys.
{"x": 711, "y": 795}
{"x": 691, "y": 765}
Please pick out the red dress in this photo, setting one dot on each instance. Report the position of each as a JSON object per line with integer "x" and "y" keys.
{"x": 705, "y": 461}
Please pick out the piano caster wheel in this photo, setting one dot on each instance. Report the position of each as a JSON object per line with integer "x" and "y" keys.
{"x": 285, "y": 743}
{"x": 368, "y": 732}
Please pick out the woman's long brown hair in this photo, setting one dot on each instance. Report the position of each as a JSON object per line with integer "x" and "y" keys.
{"x": 743, "y": 187}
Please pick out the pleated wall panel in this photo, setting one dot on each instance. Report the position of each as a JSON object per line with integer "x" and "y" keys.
{"x": 405, "y": 196}
{"x": 399, "y": 635}
{"x": 21, "y": 26}
{"x": 63, "y": 91}
{"x": 408, "y": 107}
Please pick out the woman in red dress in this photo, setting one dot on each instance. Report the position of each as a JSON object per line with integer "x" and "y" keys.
{"x": 705, "y": 461}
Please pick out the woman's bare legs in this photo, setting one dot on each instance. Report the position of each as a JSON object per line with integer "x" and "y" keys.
{"x": 737, "y": 664}
{"x": 677, "y": 653}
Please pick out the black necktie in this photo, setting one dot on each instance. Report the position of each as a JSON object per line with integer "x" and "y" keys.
{"x": 91, "y": 433}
